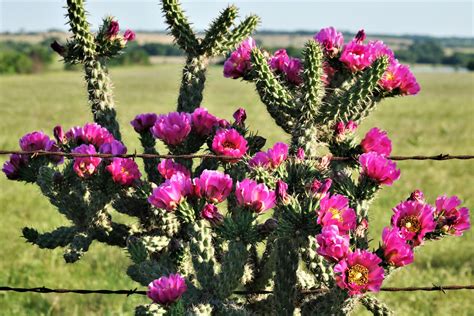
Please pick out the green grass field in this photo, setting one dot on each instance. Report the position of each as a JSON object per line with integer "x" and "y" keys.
{"x": 439, "y": 120}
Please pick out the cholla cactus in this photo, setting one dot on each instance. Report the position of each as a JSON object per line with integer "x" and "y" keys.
{"x": 199, "y": 226}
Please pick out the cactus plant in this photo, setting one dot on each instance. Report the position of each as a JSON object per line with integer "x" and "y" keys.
{"x": 199, "y": 227}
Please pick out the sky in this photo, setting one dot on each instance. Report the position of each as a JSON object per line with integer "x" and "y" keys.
{"x": 435, "y": 17}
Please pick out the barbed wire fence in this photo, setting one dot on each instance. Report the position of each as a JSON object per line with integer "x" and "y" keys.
{"x": 45, "y": 290}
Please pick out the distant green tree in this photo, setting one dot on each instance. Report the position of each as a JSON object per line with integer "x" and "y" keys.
{"x": 470, "y": 65}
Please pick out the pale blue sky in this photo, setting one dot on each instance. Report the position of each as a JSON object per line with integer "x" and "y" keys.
{"x": 439, "y": 18}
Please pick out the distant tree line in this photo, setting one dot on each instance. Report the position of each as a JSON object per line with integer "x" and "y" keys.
{"x": 21, "y": 57}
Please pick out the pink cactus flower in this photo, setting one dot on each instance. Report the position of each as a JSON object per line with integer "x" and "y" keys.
{"x": 414, "y": 220}
{"x": 282, "y": 191}
{"x": 34, "y": 141}
{"x": 328, "y": 73}
{"x": 168, "y": 168}
{"x": 450, "y": 218}
{"x": 331, "y": 40}
{"x": 293, "y": 71}
{"x": 396, "y": 250}
{"x": 335, "y": 210}
{"x": 417, "y": 196}
{"x": 143, "y": 122}
{"x": 228, "y": 142}
{"x": 257, "y": 197}
{"x": 203, "y": 121}
{"x": 378, "y": 168}
{"x": 114, "y": 28}
{"x": 172, "y": 128}
{"x": 356, "y": 56}
{"x": 211, "y": 214}
{"x": 238, "y": 64}
{"x": 280, "y": 60}
{"x": 12, "y": 167}
{"x": 333, "y": 245}
{"x": 129, "y": 35}
{"x": 378, "y": 141}
{"x": 167, "y": 290}
{"x": 90, "y": 133}
{"x": 342, "y": 129}
{"x": 115, "y": 147}
{"x": 378, "y": 49}
{"x": 85, "y": 167}
{"x": 320, "y": 189}
{"x": 359, "y": 272}
{"x": 260, "y": 159}
{"x": 167, "y": 196}
{"x": 214, "y": 185}
{"x": 272, "y": 158}
{"x": 240, "y": 116}
{"x": 400, "y": 79}
{"x": 124, "y": 171}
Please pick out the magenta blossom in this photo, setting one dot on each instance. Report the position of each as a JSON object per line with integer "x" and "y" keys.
{"x": 414, "y": 220}
{"x": 91, "y": 133}
{"x": 228, "y": 142}
{"x": 417, "y": 196}
{"x": 167, "y": 290}
{"x": 342, "y": 129}
{"x": 12, "y": 167}
{"x": 167, "y": 196}
{"x": 378, "y": 168}
{"x": 240, "y": 116}
{"x": 378, "y": 49}
{"x": 378, "y": 141}
{"x": 168, "y": 168}
{"x": 400, "y": 79}
{"x": 280, "y": 60}
{"x": 115, "y": 147}
{"x": 40, "y": 141}
{"x": 257, "y": 197}
{"x": 330, "y": 39}
{"x": 143, "y": 122}
{"x": 211, "y": 214}
{"x": 114, "y": 28}
{"x": 282, "y": 191}
{"x": 293, "y": 71}
{"x": 320, "y": 188}
{"x": 129, "y": 35}
{"x": 203, "y": 121}
{"x": 359, "y": 272}
{"x": 451, "y": 219}
{"x": 332, "y": 244}
{"x": 85, "y": 166}
{"x": 124, "y": 171}
{"x": 214, "y": 185}
{"x": 335, "y": 210}
{"x": 396, "y": 250}
{"x": 172, "y": 128}
{"x": 356, "y": 56}
{"x": 238, "y": 64}
{"x": 273, "y": 158}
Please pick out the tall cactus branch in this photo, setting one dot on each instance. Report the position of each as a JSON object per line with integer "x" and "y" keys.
{"x": 99, "y": 86}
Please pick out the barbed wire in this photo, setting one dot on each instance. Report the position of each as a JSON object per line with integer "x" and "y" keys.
{"x": 45, "y": 290}
{"x": 36, "y": 153}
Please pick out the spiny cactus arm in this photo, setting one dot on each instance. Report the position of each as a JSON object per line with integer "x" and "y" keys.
{"x": 274, "y": 95}
{"x": 180, "y": 27}
{"x": 200, "y": 310}
{"x": 84, "y": 40}
{"x": 192, "y": 83}
{"x": 149, "y": 270}
{"x": 215, "y": 38}
{"x": 79, "y": 245}
{"x": 316, "y": 263}
{"x": 286, "y": 264}
{"x": 375, "y": 306}
{"x": 116, "y": 234}
{"x": 313, "y": 86}
{"x": 150, "y": 310}
{"x": 335, "y": 302}
{"x": 231, "y": 309}
{"x": 232, "y": 269}
{"x": 99, "y": 86}
{"x": 148, "y": 143}
{"x": 265, "y": 269}
{"x": 202, "y": 252}
{"x": 239, "y": 33}
{"x": 59, "y": 237}
{"x": 356, "y": 102}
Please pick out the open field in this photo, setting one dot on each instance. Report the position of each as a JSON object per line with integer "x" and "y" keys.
{"x": 439, "y": 120}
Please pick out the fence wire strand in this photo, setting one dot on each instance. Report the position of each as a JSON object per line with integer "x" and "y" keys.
{"x": 45, "y": 290}
{"x": 36, "y": 153}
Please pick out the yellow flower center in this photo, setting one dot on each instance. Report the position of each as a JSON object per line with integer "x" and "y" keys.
{"x": 358, "y": 274}
{"x": 389, "y": 76}
{"x": 336, "y": 214}
{"x": 411, "y": 223}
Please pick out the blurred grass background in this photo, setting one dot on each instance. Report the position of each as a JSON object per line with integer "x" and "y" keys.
{"x": 439, "y": 120}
